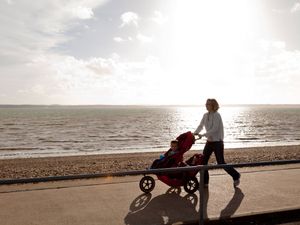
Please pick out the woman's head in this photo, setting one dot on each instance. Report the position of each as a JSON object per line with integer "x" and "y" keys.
{"x": 212, "y": 105}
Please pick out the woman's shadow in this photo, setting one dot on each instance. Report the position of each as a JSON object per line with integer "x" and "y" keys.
{"x": 167, "y": 208}
{"x": 233, "y": 204}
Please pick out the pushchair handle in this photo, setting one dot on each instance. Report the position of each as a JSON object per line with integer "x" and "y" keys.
{"x": 197, "y": 137}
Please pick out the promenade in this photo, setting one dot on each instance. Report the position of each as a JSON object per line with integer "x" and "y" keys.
{"x": 118, "y": 200}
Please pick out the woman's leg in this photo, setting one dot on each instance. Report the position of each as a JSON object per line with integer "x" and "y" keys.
{"x": 219, "y": 153}
{"x": 207, "y": 151}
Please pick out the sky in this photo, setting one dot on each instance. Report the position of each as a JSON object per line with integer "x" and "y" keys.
{"x": 134, "y": 52}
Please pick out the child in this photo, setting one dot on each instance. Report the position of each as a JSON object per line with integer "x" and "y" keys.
{"x": 173, "y": 148}
{"x": 170, "y": 158}
{"x": 174, "y": 156}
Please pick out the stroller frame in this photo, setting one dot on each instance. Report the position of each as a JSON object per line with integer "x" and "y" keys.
{"x": 186, "y": 179}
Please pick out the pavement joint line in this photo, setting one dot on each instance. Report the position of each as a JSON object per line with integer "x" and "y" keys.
{"x": 47, "y": 188}
{"x": 122, "y": 182}
{"x": 84, "y": 178}
{"x": 257, "y": 171}
{"x": 65, "y": 187}
{"x": 70, "y": 186}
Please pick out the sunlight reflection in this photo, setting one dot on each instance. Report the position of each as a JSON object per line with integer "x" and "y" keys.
{"x": 236, "y": 124}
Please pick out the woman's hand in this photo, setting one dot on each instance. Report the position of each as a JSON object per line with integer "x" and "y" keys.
{"x": 199, "y": 136}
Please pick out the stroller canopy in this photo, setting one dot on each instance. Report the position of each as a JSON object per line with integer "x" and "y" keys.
{"x": 185, "y": 141}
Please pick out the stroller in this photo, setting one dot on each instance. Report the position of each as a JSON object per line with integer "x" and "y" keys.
{"x": 186, "y": 179}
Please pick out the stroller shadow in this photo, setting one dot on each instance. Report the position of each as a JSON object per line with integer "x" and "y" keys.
{"x": 233, "y": 204}
{"x": 167, "y": 208}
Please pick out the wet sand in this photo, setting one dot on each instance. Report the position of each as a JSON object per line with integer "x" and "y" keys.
{"x": 71, "y": 165}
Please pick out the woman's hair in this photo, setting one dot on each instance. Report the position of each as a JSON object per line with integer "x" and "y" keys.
{"x": 214, "y": 103}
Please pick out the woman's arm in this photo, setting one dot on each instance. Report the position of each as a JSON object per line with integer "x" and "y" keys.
{"x": 200, "y": 127}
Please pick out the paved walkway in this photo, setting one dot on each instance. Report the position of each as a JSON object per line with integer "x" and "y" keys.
{"x": 118, "y": 200}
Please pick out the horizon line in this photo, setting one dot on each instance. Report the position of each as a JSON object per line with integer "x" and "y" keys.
{"x": 145, "y": 105}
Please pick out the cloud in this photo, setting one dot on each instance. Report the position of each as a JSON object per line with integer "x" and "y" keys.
{"x": 101, "y": 66}
{"x": 296, "y": 7}
{"x": 272, "y": 45}
{"x": 39, "y": 89}
{"x": 159, "y": 18}
{"x": 82, "y": 12}
{"x": 279, "y": 66}
{"x": 63, "y": 79}
{"x": 118, "y": 39}
{"x": 28, "y": 30}
{"x": 144, "y": 39}
{"x": 277, "y": 73}
{"x": 129, "y": 18}
{"x": 29, "y": 35}
{"x": 140, "y": 37}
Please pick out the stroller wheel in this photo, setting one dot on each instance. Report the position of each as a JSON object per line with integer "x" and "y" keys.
{"x": 147, "y": 184}
{"x": 191, "y": 185}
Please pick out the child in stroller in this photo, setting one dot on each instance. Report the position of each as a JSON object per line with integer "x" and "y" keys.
{"x": 171, "y": 158}
{"x": 174, "y": 158}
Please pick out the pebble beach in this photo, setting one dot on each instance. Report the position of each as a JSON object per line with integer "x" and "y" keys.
{"x": 109, "y": 163}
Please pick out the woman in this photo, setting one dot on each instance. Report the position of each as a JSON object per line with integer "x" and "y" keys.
{"x": 212, "y": 122}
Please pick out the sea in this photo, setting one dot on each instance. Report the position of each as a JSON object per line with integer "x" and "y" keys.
{"x": 28, "y": 131}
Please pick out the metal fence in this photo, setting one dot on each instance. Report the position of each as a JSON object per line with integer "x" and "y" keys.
{"x": 200, "y": 168}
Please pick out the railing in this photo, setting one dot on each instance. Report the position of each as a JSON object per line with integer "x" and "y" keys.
{"x": 200, "y": 168}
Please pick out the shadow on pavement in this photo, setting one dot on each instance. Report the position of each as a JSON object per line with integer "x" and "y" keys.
{"x": 167, "y": 208}
{"x": 233, "y": 204}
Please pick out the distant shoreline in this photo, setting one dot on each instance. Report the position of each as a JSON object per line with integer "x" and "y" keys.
{"x": 140, "y": 105}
